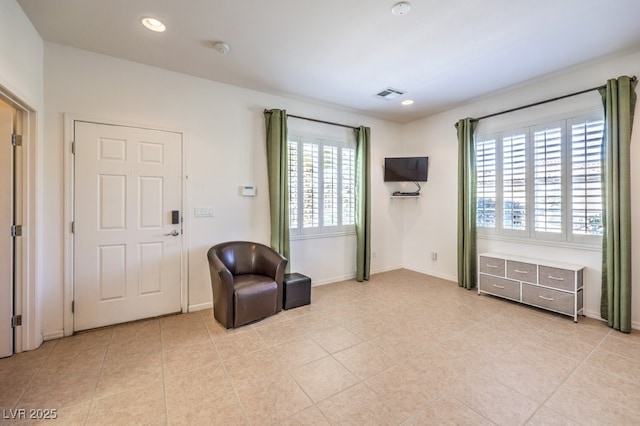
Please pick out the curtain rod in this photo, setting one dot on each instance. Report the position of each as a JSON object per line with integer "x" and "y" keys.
{"x": 634, "y": 78}
{"x": 331, "y": 123}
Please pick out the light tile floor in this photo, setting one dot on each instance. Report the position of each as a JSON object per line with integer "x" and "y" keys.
{"x": 403, "y": 348}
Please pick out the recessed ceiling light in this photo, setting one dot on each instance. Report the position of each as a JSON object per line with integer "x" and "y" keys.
{"x": 401, "y": 8}
{"x": 407, "y": 102}
{"x": 153, "y": 24}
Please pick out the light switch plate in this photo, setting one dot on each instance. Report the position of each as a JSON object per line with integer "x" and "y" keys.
{"x": 203, "y": 212}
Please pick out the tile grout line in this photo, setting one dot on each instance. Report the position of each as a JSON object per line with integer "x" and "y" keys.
{"x": 95, "y": 390}
{"x": 571, "y": 373}
{"x": 164, "y": 376}
{"x": 226, "y": 373}
{"x": 30, "y": 382}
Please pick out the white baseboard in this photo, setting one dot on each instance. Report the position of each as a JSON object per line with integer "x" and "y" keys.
{"x": 351, "y": 276}
{"x": 592, "y": 314}
{"x": 387, "y": 269}
{"x": 53, "y": 335}
{"x": 200, "y": 307}
{"x": 333, "y": 280}
{"x": 596, "y": 315}
{"x": 433, "y": 274}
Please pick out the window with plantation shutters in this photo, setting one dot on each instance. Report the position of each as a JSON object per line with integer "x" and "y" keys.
{"x": 348, "y": 185}
{"x": 310, "y": 178}
{"x": 586, "y": 178}
{"x": 330, "y": 186}
{"x": 486, "y": 182}
{"x": 514, "y": 182}
{"x": 547, "y": 178}
{"x": 542, "y": 182}
{"x": 292, "y": 152}
{"x": 321, "y": 186}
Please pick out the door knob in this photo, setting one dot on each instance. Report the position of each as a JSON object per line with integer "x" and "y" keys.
{"x": 173, "y": 233}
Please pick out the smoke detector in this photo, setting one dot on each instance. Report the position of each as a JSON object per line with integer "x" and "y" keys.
{"x": 389, "y": 93}
{"x": 401, "y": 8}
{"x": 221, "y": 47}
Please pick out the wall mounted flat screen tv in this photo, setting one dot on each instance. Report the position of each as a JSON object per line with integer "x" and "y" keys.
{"x": 406, "y": 169}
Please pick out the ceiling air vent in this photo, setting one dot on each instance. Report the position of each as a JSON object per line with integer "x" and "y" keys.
{"x": 389, "y": 93}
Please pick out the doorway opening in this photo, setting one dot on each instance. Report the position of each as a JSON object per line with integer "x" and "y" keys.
{"x": 17, "y": 227}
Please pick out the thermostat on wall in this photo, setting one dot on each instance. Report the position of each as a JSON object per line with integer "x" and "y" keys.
{"x": 248, "y": 191}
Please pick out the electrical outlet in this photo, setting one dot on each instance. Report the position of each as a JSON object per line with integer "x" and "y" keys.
{"x": 434, "y": 255}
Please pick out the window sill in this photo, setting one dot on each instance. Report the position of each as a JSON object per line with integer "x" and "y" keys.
{"x": 546, "y": 243}
{"x": 322, "y": 235}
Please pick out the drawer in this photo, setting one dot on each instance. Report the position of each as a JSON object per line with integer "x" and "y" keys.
{"x": 563, "y": 279}
{"x": 549, "y": 299}
{"x": 492, "y": 265}
{"x": 522, "y": 271}
{"x": 500, "y": 287}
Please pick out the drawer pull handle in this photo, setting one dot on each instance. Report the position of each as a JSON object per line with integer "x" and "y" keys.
{"x": 546, "y": 298}
{"x": 498, "y": 286}
{"x": 521, "y": 272}
{"x": 491, "y": 266}
{"x": 551, "y": 277}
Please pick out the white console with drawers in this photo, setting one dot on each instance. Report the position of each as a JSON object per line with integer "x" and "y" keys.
{"x": 546, "y": 284}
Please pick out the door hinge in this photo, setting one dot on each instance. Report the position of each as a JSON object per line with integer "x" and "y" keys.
{"x": 73, "y": 147}
{"x": 73, "y": 227}
{"x": 16, "y": 230}
{"x": 16, "y": 321}
{"x": 16, "y": 140}
{"x": 73, "y": 306}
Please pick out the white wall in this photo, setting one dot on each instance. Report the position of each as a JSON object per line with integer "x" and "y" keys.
{"x": 21, "y": 80}
{"x": 431, "y": 221}
{"x": 21, "y": 55}
{"x": 224, "y": 136}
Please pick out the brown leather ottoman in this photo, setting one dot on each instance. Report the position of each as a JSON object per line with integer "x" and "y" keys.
{"x": 297, "y": 290}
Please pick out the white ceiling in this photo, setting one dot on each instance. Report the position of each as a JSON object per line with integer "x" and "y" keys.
{"x": 342, "y": 52}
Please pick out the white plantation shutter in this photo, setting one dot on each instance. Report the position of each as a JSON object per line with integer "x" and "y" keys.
{"x": 310, "y": 166}
{"x": 486, "y": 182}
{"x": 293, "y": 184}
{"x": 542, "y": 182}
{"x": 330, "y": 185}
{"x": 321, "y": 186}
{"x": 348, "y": 186}
{"x": 514, "y": 179}
{"x": 586, "y": 179}
{"x": 547, "y": 178}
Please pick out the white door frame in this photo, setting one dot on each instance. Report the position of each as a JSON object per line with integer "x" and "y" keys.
{"x": 69, "y": 174}
{"x": 28, "y": 269}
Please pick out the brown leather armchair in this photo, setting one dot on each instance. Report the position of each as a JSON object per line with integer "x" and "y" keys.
{"x": 246, "y": 279}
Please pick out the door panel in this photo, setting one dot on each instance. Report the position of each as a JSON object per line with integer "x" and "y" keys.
{"x": 127, "y": 262}
{"x": 6, "y": 220}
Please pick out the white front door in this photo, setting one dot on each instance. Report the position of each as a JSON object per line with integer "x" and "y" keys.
{"x": 6, "y": 220}
{"x": 127, "y": 248}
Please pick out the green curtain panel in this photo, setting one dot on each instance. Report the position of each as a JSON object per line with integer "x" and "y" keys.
{"x": 277, "y": 168}
{"x": 467, "y": 256}
{"x": 363, "y": 203}
{"x": 619, "y": 99}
